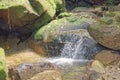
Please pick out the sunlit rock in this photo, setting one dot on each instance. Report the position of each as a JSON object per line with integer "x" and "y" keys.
{"x": 29, "y": 14}
{"x": 98, "y": 66}
{"x": 108, "y": 57}
{"x": 48, "y": 75}
{"x": 3, "y": 73}
{"x": 106, "y": 33}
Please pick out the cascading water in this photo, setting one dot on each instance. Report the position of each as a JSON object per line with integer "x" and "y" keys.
{"x": 75, "y": 48}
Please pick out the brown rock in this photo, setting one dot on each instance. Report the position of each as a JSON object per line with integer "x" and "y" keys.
{"x": 28, "y": 70}
{"x": 106, "y": 33}
{"x": 48, "y": 75}
{"x": 35, "y": 45}
{"x": 108, "y": 57}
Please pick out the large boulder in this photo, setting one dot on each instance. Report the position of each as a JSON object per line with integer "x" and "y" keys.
{"x": 3, "y": 74}
{"x": 106, "y": 32}
{"x": 29, "y": 14}
{"x": 66, "y": 37}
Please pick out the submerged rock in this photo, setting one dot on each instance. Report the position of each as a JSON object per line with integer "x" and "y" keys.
{"x": 3, "y": 74}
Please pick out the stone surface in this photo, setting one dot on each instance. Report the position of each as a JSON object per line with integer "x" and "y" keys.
{"x": 26, "y": 14}
{"x": 108, "y": 57}
{"x": 28, "y": 70}
{"x": 106, "y": 33}
{"x": 98, "y": 66}
{"x": 67, "y": 36}
{"x": 3, "y": 73}
{"x": 112, "y": 73}
{"x": 47, "y": 75}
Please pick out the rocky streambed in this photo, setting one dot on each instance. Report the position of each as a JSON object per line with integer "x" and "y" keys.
{"x": 81, "y": 45}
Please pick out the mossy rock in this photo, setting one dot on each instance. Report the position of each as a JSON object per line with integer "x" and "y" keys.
{"x": 3, "y": 74}
{"x": 106, "y": 35}
{"x": 117, "y": 16}
{"x": 56, "y": 27}
{"x": 106, "y": 20}
{"x": 27, "y": 12}
{"x": 60, "y": 6}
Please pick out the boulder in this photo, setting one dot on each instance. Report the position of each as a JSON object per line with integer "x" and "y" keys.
{"x": 28, "y": 70}
{"x": 24, "y": 13}
{"x": 67, "y": 36}
{"x": 107, "y": 57}
{"x": 47, "y": 75}
{"x": 3, "y": 74}
{"x": 106, "y": 33}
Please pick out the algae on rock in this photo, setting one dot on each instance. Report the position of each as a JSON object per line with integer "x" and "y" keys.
{"x": 3, "y": 74}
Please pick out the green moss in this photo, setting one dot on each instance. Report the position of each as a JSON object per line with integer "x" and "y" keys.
{"x": 3, "y": 74}
{"x": 64, "y": 14}
{"x": 51, "y": 30}
{"x": 106, "y": 20}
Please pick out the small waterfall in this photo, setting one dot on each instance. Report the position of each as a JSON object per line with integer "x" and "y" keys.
{"x": 75, "y": 48}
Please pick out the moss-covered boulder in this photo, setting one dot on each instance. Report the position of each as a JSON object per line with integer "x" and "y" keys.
{"x": 56, "y": 27}
{"x": 3, "y": 74}
{"x": 25, "y": 13}
{"x": 106, "y": 33}
{"x": 60, "y": 6}
{"x": 66, "y": 36}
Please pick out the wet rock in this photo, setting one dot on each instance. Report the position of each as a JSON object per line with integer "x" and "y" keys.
{"x": 47, "y": 75}
{"x": 98, "y": 66}
{"x": 108, "y": 57}
{"x": 3, "y": 73}
{"x": 107, "y": 34}
{"x": 28, "y": 70}
{"x": 67, "y": 36}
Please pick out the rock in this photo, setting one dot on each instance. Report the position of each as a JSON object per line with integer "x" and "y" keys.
{"x": 56, "y": 27}
{"x": 60, "y": 6}
{"x": 112, "y": 73}
{"x": 107, "y": 34}
{"x": 98, "y": 67}
{"x": 117, "y": 16}
{"x": 28, "y": 70}
{"x": 37, "y": 46}
{"x": 27, "y": 14}
{"x": 3, "y": 73}
{"x": 47, "y": 75}
{"x": 67, "y": 36}
{"x": 107, "y": 57}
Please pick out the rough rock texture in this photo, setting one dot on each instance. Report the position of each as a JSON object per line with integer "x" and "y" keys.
{"x": 98, "y": 66}
{"x": 3, "y": 74}
{"x": 66, "y": 36}
{"x": 28, "y": 70}
{"x": 47, "y": 75}
{"x": 106, "y": 33}
{"x": 56, "y": 27}
{"x": 108, "y": 57}
{"x": 28, "y": 14}
{"x": 110, "y": 73}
